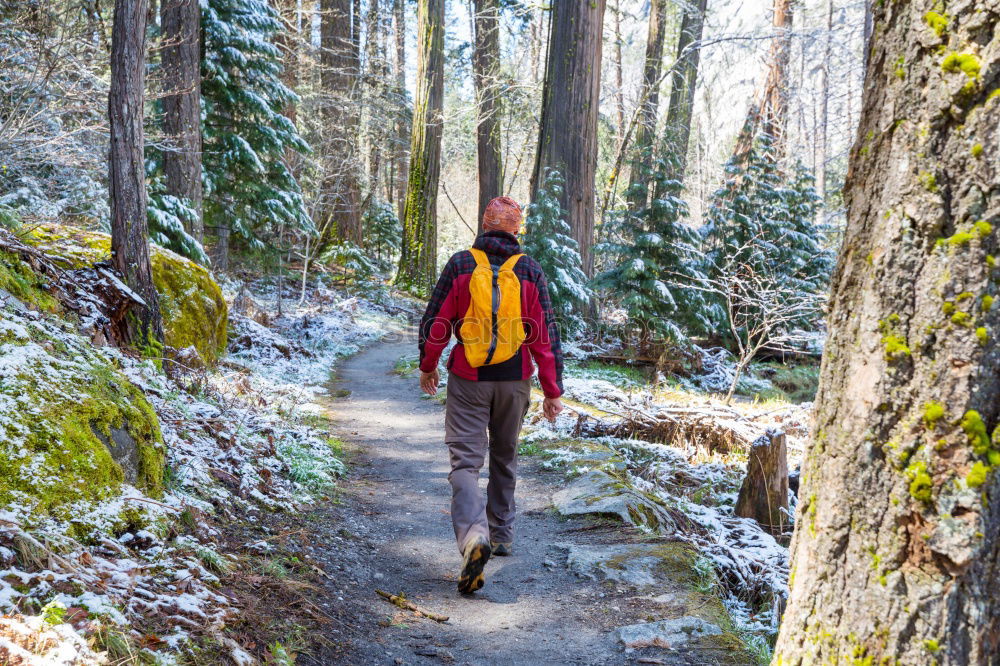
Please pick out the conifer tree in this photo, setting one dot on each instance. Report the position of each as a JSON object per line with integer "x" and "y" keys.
{"x": 655, "y": 267}
{"x": 548, "y": 239}
{"x": 248, "y": 186}
{"x": 764, "y": 218}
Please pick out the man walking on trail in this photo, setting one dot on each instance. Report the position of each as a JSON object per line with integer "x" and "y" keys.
{"x": 496, "y": 302}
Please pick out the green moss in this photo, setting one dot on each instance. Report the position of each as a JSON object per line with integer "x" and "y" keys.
{"x": 895, "y": 347}
{"x": 960, "y": 318}
{"x": 812, "y": 515}
{"x": 983, "y": 228}
{"x": 968, "y": 63}
{"x": 982, "y": 335}
{"x": 17, "y": 278}
{"x": 975, "y": 430}
{"x": 69, "y": 397}
{"x": 948, "y": 308}
{"x": 921, "y": 486}
{"x": 928, "y": 180}
{"x": 987, "y": 303}
{"x": 937, "y": 22}
{"x": 194, "y": 311}
{"x": 977, "y": 475}
{"x": 191, "y": 303}
{"x": 976, "y": 150}
{"x": 991, "y": 261}
{"x": 957, "y": 239}
{"x": 933, "y": 412}
{"x": 900, "y": 70}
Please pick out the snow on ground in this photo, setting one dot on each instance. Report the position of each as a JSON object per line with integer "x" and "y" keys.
{"x": 238, "y": 444}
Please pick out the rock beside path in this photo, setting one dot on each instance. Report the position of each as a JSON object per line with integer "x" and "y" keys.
{"x": 666, "y": 633}
{"x": 599, "y": 493}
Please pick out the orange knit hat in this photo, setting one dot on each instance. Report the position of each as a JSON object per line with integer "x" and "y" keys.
{"x": 502, "y": 214}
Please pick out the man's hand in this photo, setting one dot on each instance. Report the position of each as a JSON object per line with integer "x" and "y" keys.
{"x": 429, "y": 381}
{"x": 551, "y": 408}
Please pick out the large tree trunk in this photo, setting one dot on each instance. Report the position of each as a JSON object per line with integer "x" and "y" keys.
{"x": 824, "y": 104}
{"x": 486, "y": 65}
{"x": 402, "y": 127}
{"x": 418, "y": 260}
{"x": 567, "y": 139}
{"x": 769, "y": 112}
{"x": 649, "y": 99}
{"x": 180, "y": 22}
{"x": 683, "y": 83}
{"x": 127, "y": 175}
{"x": 340, "y": 216}
{"x": 374, "y": 82}
{"x": 896, "y": 554}
{"x": 289, "y": 40}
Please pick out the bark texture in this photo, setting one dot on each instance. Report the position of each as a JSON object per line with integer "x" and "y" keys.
{"x": 180, "y": 22}
{"x": 341, "y": 212}
{"x": 418, "y": 258}
{"x": 400, "y": 168}
{"x": 127, "y": 176}
{"x": 683, "y": 83}
{"x": 485, "y": 66}
{"x": 649, "y": 100}
{"x": 567, "y": 138}
{"x": 764, "y": 493}
{"x": 896, "y": 553}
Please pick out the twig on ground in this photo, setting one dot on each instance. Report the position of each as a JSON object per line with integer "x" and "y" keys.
{"x": 405, "y": 603}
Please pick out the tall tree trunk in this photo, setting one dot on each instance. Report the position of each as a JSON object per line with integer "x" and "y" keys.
{"x": 127, "y": 175}
{"x": 649, "y": 97}
{"x": 373, "y": 85}
{"x": 341, "y": 214}
{"x": 180, "y": 22}
{"x": 683, "y": 84}
{"x": 567, "y": 138}
{"x": 418, "y": 260}
{"x": 620, "y": 68}
{"x": 824, "y": 104}
{"x": 402, "y": 127}
{"x": 769, "y": 112}
{"x": 289, "y": 40}
{"x": 896, "y": 554}
{"x": 486, "y": 66}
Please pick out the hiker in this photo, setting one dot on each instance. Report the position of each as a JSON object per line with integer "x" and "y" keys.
{"x": 496, "y": 302}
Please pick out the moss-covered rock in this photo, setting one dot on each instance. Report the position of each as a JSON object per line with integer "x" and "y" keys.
{"x": 194, "y": 311}
{"x": 72, "y": 426}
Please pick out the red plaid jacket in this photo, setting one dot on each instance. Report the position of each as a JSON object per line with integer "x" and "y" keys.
{"x": 450, "y": 302}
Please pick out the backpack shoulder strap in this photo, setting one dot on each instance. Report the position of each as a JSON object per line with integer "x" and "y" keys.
{"x": 511, "y": 262}
{"x": 481, "y": 258}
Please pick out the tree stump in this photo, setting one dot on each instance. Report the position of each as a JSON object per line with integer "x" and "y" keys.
{"x": 764, "y": 494}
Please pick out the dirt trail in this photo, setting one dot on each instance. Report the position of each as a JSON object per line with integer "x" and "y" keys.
{"x": 393, "y": 532}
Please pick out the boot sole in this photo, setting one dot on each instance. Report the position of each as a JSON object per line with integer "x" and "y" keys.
{"x": 471, "y": 578}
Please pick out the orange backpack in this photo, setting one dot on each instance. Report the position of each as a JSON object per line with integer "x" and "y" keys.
{"x": 492, "y": 330}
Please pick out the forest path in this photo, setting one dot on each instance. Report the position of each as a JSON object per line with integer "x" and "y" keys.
{"x": 393, "y": 531}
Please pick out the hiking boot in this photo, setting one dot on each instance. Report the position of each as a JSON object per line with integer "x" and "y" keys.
{"x": 477, "y": 554}
{"x": 501, "y": 549}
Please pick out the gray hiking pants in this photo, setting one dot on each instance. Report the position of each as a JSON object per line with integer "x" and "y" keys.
{"x": 473, "y": 409}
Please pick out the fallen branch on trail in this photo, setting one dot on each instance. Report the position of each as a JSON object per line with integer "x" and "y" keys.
{"x": 406, "y": 604}
{"x": 709, "y": 427}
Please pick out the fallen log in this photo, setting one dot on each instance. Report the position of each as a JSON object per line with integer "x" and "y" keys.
{"x": 710, "y": 428}
{"x": 406, "y": 604}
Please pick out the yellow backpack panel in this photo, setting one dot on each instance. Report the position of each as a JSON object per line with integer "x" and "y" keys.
{"x": 492, "y": 330}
